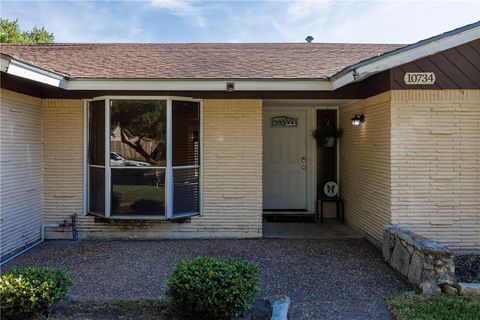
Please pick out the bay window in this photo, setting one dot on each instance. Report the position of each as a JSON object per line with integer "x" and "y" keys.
{"x": 144, "y": 158}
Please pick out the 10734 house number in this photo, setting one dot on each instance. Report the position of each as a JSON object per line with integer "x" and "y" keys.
{"x": 419, "y": 78}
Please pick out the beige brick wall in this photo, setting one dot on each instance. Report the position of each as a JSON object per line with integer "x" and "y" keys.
{"x": 232, "y": 174}
{"x": 62, "y": 139}
{"x": 415, "y": 162}
{"x": 20, "y": 170}
{"x": 365, "y": 165}
{"x": 436, "y": 164}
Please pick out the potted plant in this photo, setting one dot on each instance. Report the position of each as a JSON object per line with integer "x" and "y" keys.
{"x": 327, "y": 134}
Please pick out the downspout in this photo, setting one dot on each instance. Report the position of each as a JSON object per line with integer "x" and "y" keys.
{"x": 73, "y": 224}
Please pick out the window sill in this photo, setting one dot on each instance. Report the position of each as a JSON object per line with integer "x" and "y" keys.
{"x": 128, "y": 217}
{"x": 180, "y": 219}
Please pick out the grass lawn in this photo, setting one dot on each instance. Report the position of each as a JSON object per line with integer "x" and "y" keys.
{"x": 132, "y": 193}
{"x": 138, "y": 199}
{"x": 441, "y": 307}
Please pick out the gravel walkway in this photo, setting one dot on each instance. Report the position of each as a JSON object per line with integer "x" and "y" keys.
{"x": 325, "y": 279}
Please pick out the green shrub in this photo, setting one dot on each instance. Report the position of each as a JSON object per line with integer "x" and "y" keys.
{"x": 213, "y": 288}
{"x": 32, "y": 290}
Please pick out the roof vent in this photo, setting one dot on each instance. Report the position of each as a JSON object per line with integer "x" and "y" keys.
{"x": 309, "y": 39}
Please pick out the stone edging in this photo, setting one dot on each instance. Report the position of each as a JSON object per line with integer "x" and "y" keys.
{"x": 427, "y": 264}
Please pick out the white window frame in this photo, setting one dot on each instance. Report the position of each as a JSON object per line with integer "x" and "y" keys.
{"x": 169, "y": 168}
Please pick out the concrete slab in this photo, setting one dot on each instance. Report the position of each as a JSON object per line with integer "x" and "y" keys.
{"x": 472, "y": 289}
{"x": 329, "y": 229}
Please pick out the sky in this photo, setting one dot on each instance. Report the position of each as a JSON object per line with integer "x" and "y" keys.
{"x": 162, "y": 21}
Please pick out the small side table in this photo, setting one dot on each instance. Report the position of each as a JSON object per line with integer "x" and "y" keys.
{"x": 339, "y": 204}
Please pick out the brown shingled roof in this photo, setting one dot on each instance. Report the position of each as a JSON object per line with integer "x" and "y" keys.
{"x": 197, "y": 61}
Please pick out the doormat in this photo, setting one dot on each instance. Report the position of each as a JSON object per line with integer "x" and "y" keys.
{"x": 290, "y": 218}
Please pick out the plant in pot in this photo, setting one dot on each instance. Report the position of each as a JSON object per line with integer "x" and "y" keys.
{"x": 327, "y": 134}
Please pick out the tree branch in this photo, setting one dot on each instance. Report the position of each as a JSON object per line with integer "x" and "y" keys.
{"x": 137, "y": 146}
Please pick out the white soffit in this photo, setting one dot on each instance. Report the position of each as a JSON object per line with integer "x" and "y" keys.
{"x": 24, "y": 70}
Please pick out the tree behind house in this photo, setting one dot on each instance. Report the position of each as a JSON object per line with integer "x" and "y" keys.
{"x": 10, "y": 33}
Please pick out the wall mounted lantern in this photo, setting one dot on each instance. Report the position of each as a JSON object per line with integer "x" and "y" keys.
{"x": 358, "y": 119}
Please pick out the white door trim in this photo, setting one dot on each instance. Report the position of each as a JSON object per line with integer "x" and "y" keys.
{"x": 310, "y": 148}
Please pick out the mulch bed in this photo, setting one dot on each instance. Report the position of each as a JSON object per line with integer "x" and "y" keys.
{"x": 467, "y": 268}
{"x": 138, "y": 310}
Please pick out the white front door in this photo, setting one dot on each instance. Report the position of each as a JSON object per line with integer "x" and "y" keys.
{"x": 284, "y": 160}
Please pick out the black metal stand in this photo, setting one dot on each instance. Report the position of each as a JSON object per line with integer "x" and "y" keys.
{"x": 339, "y": 205}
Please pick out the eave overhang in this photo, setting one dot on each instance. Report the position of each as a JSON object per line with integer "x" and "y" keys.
{"x": 21, "y": 69}
{"x": 351, "y": 74}
{"x": 395, "y": 58}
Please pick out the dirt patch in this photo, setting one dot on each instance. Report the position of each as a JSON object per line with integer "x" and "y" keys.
{"x": 109, "y": 310}
{"x": 138, "y": 310}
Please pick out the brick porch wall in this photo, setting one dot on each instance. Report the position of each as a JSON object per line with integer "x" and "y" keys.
{"x": 436, "y": 164}
{"x": 365, "y": 165}
{"x": 415, "y": 162}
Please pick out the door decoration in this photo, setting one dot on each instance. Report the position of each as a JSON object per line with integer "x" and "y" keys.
{"x": 283, "y": 121}
{"x": 330, "y": 189}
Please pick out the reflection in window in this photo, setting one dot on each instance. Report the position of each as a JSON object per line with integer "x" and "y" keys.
{"x": 186, "y": 126}
{"x": 138, "y": 178}
{"x": 138, "y": 133}
{"x": 139, "y": 192}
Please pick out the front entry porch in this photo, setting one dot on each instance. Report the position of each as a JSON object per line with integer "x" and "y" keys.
{"x": 297, "y": 165}
{"x": 308, "y": 229}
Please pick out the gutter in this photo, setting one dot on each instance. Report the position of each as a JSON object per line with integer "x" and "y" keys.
{"x": 21, "y": 69}
{"x": 25, "y": 70}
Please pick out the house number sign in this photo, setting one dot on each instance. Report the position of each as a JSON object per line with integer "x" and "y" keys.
{"x": 419, "y": 78}
{"x": 283, "y": 121}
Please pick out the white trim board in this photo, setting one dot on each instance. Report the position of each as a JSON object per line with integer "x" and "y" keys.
{"x": 199, "y": 84}
{"x": 402, "y": 56}
{"x": 24, "y": 70}
{"x": 86, "y": 171}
